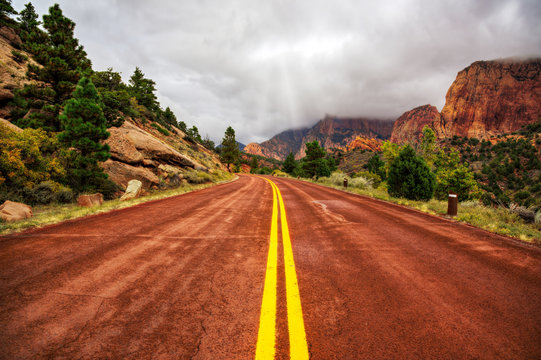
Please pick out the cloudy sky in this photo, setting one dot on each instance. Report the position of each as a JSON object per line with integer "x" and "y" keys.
{"x": 267, "y": 66}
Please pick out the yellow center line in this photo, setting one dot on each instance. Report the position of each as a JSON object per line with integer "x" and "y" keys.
{"x": 267, "y": 321}
{"x": 298, "y": 348}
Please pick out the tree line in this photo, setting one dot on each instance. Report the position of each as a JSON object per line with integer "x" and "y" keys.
{"x": 65, "y": 110}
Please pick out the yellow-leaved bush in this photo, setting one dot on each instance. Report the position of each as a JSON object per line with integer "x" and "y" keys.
{"x": 28, "y": 158}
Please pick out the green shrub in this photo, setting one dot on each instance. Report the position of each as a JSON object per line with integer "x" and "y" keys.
{"x": 160, "y": 129}
{"x": 18, "y": 56}
{"x": 361, "y": 183}
{"x": 409, "y": 176}
{"x": 106, "y": 187}
{"x": 46, "y": 192}
{"x": 374, "y": 179}
{"x": 198, "y": 177}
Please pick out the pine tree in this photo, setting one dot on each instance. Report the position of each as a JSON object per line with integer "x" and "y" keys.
{"x": 62, "y": 62}
{"x": 5, "y": 10}
{"x": 254, "y": 165}
{"x": 230, "y": 149}
{"x": 28, "y": 23}
{"x": 315, "y": 164}
{"x": 84, "y": 127}
{"x": 143, "y": 90}
{"x": 169, "y": 117}
{"x": 289, "y": 164}
{"x": 410, "y": 177}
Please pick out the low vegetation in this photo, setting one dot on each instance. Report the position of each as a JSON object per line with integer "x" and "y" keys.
{"x": 55, "y": 212}
{"x": 502, "y": 195}
{"x": 498, "y": 220}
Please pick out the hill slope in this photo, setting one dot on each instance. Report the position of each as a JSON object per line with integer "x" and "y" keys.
{"x": 331, "y": 132}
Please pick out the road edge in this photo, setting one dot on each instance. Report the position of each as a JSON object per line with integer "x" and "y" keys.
{"x": 502, "y": 237}
{"x": 30, "y": 229}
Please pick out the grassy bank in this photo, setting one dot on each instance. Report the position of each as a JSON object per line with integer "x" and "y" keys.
{"x": 497, "y": 220}
{"x": 54, "y": 213}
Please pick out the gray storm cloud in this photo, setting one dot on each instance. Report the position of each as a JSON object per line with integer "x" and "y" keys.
{"x": 266, "y": 66}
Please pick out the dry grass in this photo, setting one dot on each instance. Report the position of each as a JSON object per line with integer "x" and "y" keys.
{"x": 51, "y": 214}
{"x": 497, "y": 220}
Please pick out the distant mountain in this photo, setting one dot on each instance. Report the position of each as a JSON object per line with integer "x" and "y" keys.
{"x": 487, "y": 98}
{"x": 331, "y": 132}
{"x": 241, "y": 146}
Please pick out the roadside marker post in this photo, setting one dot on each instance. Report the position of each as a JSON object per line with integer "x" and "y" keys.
{"x": 452, "y": 204}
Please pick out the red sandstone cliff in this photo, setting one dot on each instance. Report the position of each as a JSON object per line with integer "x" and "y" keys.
{"x": 409, "y": 126}
{"x": 488, "y": 98}
{"x": 492, "y": 97}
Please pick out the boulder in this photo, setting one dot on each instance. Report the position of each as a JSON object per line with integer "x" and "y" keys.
{"x": 133, "y": 190}
{"x": 90, "y": 200}
{"x": 121, "y": 148}
{"x": 122, "y": 173}
{"x": 11, "y": 36}
{"x": 147, "y": 145}
{"x": 10, "y": 126}
{"x": 14, "y": 211}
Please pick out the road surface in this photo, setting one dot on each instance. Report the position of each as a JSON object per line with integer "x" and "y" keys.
{"x": 185, "y": 277}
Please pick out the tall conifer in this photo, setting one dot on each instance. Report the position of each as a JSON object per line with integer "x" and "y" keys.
{"x": 62, "y": 61}
{"x": 230, "y": 149}
{"x": 84, "y": 127}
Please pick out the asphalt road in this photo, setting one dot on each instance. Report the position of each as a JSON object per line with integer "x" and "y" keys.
{"x": 184, "y": 278}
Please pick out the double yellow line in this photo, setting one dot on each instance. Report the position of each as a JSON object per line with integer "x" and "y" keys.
{"x": 266, "y": 337}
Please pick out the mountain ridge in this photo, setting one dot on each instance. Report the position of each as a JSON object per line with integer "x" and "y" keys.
{"x": 331, "y": 132}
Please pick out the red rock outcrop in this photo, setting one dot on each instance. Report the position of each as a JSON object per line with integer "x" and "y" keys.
{"x": 364, "y": 143}
{"x": 409, "y": 126}
{"x": 254, "y": 149}
{"x": 492, "y": 97}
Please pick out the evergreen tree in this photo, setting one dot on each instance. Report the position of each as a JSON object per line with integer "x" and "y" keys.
{"x": 62, "y": 62}
{"x": 114, "y": 95}
{"x": 193, "y": 135}
{"x": 254, "y": 165}
{"x": 376, "y": 166}
{"x": 208, "y": 143}
{"x": 230, "y": 149}
{"x": 84, "y": 127}
{"x": 290, "y": 164}
{"x": 315, "y": 164}
{"x": 169, "y": 117}
{"x": 28, "y": 23}
{"x": 5, "y": 10}
{"x": 410, "y": 177}
{"x": 143, "y": 90}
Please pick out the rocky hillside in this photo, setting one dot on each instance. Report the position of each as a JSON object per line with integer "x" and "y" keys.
{"x": 142, "y": 152}
{"x": 488, "y": 98}
{"x": 409, "y": 126}
{"x": 140, "y": 149}
{"x": 13, "y": 63}
{"x": 331, "y": 132}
